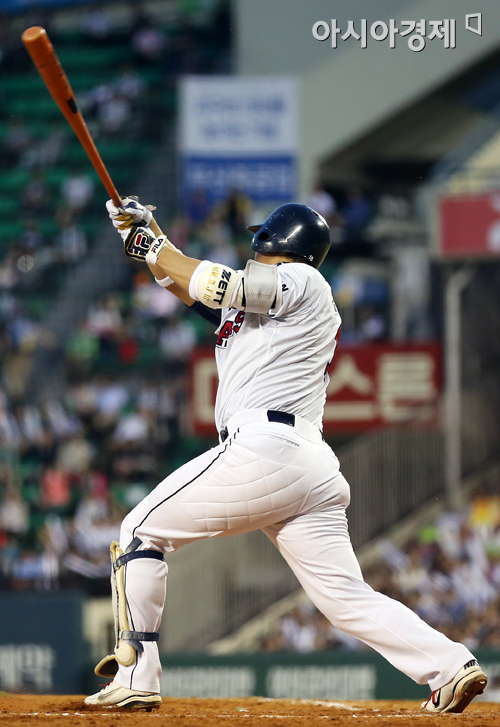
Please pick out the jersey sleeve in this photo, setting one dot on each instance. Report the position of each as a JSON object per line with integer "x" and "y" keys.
{"x": 293, "y": 282}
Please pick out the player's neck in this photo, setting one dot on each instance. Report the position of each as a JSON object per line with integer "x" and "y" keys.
{"x": 270, "y": 259}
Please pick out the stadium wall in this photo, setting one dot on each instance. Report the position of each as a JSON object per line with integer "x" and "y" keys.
{"x": 329, "y": 676}
{"x": 348, "y": 90}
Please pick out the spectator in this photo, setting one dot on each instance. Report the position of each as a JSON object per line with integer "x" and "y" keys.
{"x": 357, "y": 214}
{"x": 148, "y": 43}
{"x": 75, "y": 456}
{"x": 35, "y": 196}
{"x": 14, "y": 513}
{"x": 114, "y": 114}
{"x": 150, "y": 300}
{"x": 16, "y": 141}
{"x": 129, "y": 84}
{"x": 82, "y": 349}
{"x": 132, "y": 429}
{"x": 216, "y": 237}
{"x": 235, "y": 212}
{"x": 111, "y": 398}
{"x": 71, "y": 241}
{"x": 96, "y": 24}
{"x": 77, "y": 191}
{"x": 177, "y": 340}
{"x": 323, "y": 202}
{"x": 56, "y": 492}
{"x": 46, "y": 152}
{"x": 105, "y": 318}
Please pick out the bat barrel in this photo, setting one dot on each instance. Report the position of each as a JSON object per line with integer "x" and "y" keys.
{"x": 44, "y": 57}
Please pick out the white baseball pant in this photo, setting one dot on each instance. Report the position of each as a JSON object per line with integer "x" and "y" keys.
{"x": 286, "y": 481}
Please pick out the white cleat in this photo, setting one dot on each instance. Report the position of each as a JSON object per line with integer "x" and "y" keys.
{"x": 455, "y": 696}
{"x": 113, "y": 695}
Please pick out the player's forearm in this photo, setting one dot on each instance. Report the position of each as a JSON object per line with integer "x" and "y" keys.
{"x": 181, "y": 294}
{"x": 174, "y": 288}
{"x": 177, "y": 266}
{"x": 155, "y": 228}
{"x": 160, "y": 273}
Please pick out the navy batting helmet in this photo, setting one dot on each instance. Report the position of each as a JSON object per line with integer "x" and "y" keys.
{"x": 296, "y": 229}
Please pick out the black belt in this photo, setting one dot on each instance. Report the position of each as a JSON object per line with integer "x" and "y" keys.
{"x": 272, "y": 416}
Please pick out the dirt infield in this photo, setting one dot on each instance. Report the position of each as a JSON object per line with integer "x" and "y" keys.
{"x": 18, "y": 709}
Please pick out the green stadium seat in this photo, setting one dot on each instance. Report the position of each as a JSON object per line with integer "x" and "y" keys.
{"x": 151, "y": 75}
{"x": 13, "y": 180}
{"x": 26, "y": 107}
{"x": 55, "y": 177}
{"x": 36, "y": 128}
{"x": 48, "y": 226}
{"x": 39, "y": 129}
{"x": 9, "y": 205}
{"x": 91, "y": 226}
{"x": 21, "y": 85}
{"x": 38, "y": 305}
{"x": 83, "y": 57}
{"x": 10, "y": 231}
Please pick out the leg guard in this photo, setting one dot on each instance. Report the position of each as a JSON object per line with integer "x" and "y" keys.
{"x": 127, "y": 643}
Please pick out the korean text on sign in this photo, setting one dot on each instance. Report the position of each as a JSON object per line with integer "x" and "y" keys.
{"x": 381, "y": 385}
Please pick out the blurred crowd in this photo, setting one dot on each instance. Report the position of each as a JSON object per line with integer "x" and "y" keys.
{"x": 183, "y": 36}
{"x": 449, "y": 574}
{"x": 69, "y": 472}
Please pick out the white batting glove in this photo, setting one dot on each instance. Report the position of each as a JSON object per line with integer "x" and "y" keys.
{"x": 156, "y": 249}
{"x": 130, "y": 213}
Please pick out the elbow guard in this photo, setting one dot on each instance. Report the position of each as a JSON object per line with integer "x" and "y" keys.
{"x": 216, "y": 286}
{"x": 260, "y": 285}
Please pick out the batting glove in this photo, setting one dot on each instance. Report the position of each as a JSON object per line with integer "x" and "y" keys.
{"x": 130, "y": 213}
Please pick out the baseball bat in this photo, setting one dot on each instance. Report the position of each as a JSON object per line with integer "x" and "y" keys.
{"x": 44, "y": 57}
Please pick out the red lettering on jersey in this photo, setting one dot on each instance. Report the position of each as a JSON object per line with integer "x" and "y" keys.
{"x": 230, "y": 328}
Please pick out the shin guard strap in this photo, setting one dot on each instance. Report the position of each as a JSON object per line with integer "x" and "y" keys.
{"x": 140, "y": 635}
{"x": 134, "y": 638}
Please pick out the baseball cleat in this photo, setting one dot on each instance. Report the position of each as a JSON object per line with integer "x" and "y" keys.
{"x": 113, "y": 695}
{"x": 457, "y": 694}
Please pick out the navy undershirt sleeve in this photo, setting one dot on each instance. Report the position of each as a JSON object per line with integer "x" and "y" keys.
{"x": 210, "y": 315}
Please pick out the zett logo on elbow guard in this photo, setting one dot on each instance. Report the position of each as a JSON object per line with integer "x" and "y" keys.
{"x": 222, "y": 287}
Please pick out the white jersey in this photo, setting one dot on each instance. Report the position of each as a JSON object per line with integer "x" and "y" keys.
{"x": 280, "y": 360}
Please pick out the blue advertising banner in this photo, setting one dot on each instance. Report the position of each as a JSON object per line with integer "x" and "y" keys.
{"x": 260, "y": 178}
{"x": 238, "y": 133}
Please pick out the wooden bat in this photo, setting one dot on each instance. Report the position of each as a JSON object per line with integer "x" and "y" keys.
{"x": 47, "y": 63}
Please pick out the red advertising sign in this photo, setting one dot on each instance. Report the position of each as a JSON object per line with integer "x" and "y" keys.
{"x": 370, "y": 386}
{"x": 469, "y": 226}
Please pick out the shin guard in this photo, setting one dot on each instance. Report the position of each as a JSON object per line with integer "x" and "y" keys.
{"x": 127, "y": 643}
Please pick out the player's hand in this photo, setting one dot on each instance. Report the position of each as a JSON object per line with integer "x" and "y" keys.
{"x": 130, "y": 213}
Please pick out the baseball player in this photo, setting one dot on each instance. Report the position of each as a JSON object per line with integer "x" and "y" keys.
{"x": 277, "y": 329}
